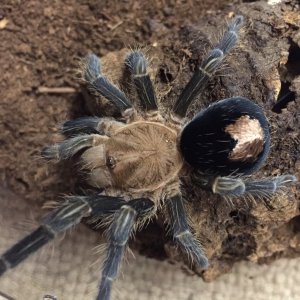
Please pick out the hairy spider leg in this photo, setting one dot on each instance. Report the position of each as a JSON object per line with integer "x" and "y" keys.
{"x": 137, "y": 65}
{"x": 269, "y": 186}
{"x": 181, "y": 232}
{"x": 118, "y": 234}
{"x": 59, "y": 220}
{"x": 82, "y": 125}
{"x": 207, "y": 68}
{"x": 98, "y": 83}
{"x": 227, "y": 186}
{"x": 90, "y": 125}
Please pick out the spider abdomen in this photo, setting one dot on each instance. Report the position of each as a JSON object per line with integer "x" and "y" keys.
{"x": 230, "y": 136}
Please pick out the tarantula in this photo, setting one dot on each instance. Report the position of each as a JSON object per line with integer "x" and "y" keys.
{"x": 139, "y": 162}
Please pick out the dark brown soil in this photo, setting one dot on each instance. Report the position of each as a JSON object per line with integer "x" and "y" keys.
{"x": 40, "y": 47}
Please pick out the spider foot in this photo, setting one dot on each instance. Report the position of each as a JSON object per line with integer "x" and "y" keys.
{"x": 182, "y": 234}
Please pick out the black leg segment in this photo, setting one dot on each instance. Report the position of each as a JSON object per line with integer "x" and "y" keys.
{"x": 268, "y": 187}
{"x": 98, "y": 83}
{"x": 235, "y": 187}
{"x": 207, "y": 68}
{"x": 118, "y": 235}
{"x": 79, "y": 126}
{"x": 24, "y": 248}
{"x": 137, "y": 65}
{"x": 181, "y": 231}
{"x": 59, "y": 220}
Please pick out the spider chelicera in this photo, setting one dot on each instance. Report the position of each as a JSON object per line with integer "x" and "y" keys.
{"x": 137, "y": 163}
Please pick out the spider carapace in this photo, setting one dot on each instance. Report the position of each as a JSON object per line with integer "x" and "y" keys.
{"x": 140, "y": 157}
{"x": 136, "y": 163}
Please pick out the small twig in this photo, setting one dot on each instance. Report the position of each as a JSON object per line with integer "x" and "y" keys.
{"x": 55, "y": 90}
{"x": 106, "y": 16}
{"x": 113, "y": 27}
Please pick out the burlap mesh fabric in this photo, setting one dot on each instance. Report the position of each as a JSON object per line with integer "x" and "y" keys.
{"x": 69, "y": 269}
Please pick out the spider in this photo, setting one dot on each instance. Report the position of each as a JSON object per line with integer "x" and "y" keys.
{"x": 136, "y": 164}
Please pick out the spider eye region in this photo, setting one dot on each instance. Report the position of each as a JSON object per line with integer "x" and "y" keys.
{"x": 110, "y": 162}
{"x": 229, "y": 137}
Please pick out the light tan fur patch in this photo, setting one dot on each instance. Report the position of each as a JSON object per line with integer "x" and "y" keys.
{"x": 249, "y": 136}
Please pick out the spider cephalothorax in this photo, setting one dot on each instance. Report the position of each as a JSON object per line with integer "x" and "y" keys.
{"x": 139, "y": 157}
{"x": 139, "y": 161}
